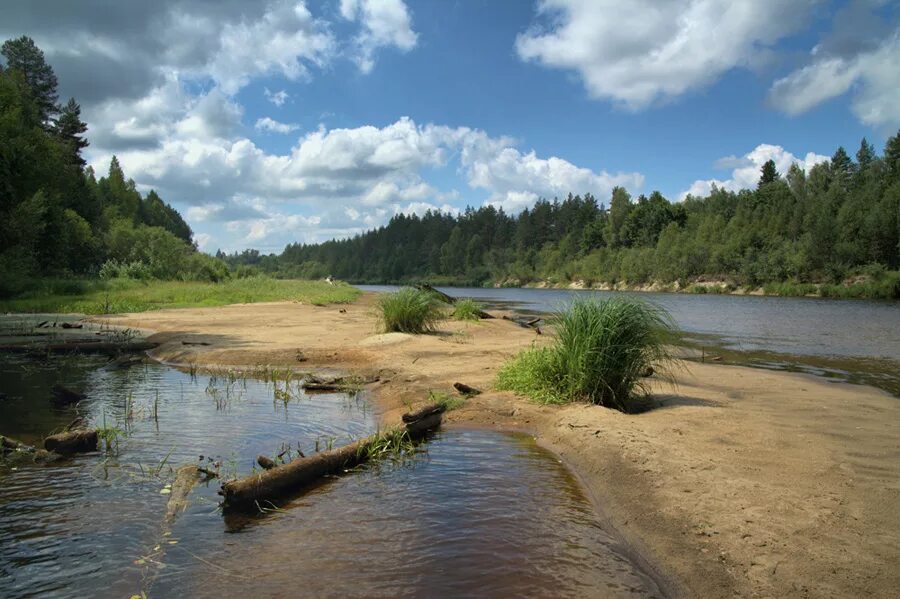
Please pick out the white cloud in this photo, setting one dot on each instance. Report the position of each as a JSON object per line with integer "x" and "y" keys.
{"x": 269, "y": 124}
{"x": 746, "y": 169}
{"x": 384, "y": 23}
{"x": 350, "y": 179}
{"x": 277, "y": 98}
{"x": 640, "y": 52}
{"x": 282, "y": 41}
{"x": 873, "y": 74}
{"x": 516, "y": 180}
{"x": 203, "y": 240}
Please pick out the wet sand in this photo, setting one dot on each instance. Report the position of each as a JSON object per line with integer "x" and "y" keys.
{"x": 743, "y": 482}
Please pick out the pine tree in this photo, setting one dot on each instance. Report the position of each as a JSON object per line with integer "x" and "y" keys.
{"x": 23, "y": 56}
{"x": 769, "y": 174}
{"x": 70, "y": 129}
{"x": 866, "y": 154}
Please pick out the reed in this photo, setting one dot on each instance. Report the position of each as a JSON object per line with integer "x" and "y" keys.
{"x": 601, "y": 353}
{"x": 408, "y": 310}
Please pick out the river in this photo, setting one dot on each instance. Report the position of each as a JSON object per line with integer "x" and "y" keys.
{"x": 844, "y": 340}
{"x": 471, "y": 513}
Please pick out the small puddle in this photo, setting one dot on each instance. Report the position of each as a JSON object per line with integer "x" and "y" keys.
{"x": 475, "y": 513}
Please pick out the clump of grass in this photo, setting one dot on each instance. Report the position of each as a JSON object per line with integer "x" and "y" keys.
{"x": 448, "y": 400}
{"x": 408, "y": 311}
{"x": 600, "y": 353}
{"x": 466, "y": 309}
{"x": 388, "y": 443}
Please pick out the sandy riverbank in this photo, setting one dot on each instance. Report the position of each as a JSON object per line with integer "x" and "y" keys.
{"x": 743, "y": 483}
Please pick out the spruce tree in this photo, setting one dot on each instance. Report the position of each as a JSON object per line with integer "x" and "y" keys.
{"x": 23, "y": 56}
{"x": 70, "y": 129}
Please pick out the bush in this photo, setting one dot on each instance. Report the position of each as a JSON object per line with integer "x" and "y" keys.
{"x": 113, "y": 269}
{"x": 466, "y": 309}
{"x": 600, "y": 353}
{"x": 408, "y": 311}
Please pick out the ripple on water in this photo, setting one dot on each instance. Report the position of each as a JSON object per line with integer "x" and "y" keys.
{"x": 478, "y": 513}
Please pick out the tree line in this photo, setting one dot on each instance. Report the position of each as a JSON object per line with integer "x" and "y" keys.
{"x": 56, "y": 217}
{"x": 840, "y": 220}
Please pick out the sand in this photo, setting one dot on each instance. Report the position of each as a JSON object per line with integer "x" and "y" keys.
{"x": 743, "y": 482}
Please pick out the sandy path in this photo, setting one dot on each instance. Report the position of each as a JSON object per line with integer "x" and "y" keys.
{"x": 744, "y": 483}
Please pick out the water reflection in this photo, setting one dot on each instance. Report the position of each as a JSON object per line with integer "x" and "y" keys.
{"x": 479, "y": 513}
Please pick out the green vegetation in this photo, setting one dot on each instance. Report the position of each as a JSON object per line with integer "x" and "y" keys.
{"x": 123, "y": 295}
{"x": 466, "y": 309}
{"x": 408, "y": 310}
{"x": 388, "y": 443}
{"x": 57, "y": 219}
{"x": 600, "y": 353}
{"x": 830, "y": 226}
{"x": 449, "y": 401}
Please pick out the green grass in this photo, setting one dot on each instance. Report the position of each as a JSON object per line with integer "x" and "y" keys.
{"x": 125, "y": 295}
{"x": 599, "y": 354}
{"x": 466, "y": 309}
{"x": 408, "y": 311}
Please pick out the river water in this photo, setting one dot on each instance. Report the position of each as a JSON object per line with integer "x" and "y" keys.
{"x": 470, "y": 513}
{"x": 846, "y": 340}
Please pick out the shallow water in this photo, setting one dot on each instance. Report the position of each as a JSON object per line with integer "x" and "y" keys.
{"x": 476, "y": 513}
{"x": 853, "y": 340}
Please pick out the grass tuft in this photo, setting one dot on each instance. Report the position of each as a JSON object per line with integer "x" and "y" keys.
{"x": 466, "y": 309}
{"x": 600, "y": 353}
{"x": 408, "y": 311}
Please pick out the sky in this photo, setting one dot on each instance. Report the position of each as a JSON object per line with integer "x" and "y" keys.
{"x": 271, "y": 122}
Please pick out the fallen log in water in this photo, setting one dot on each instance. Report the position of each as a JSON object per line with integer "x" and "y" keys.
{"x": 12, "y": 446}
{"x": 262, "y": 488}
{"x": 185, "y": 479}
{"x": 72, "y": 442}
{"x": 65, "y": 396}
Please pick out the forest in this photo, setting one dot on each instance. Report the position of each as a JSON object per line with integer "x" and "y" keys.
{"x": 57, "y": 219}
{"x": 834, "y": 230}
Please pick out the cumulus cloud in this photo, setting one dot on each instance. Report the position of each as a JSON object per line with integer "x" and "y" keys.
{"x": 349, "y": 178}
{"x": 123, "y": 50}
{"x": 383, "y": 23}
{"x": 640, "y": 52}
{"x": 747, "y": 168}
{"x": 277, "y": 98}
{"x": 873, "y": 74}
{"x": 273, "y": 126}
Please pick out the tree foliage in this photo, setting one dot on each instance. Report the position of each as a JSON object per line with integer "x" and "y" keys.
{"x": 56, "y": 218}
{"x": 838, "y": 219}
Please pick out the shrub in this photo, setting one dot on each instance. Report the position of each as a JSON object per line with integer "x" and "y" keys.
{"x": 600, "y": 353}
{"x": 466, "y": 309}
{"x": 408, "y": 311}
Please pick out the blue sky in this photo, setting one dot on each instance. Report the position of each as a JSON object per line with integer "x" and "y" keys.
{"x": 272, "y": 122}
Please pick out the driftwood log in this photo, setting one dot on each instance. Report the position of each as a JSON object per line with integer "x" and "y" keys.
{"x": 466, "y": 390}
{"x": 9, "y": 446}
{"x": 261, "y": 489}
{"x": 65, "y": 396}
{"x": 185, "y": 479}
{"x": 72, "y": 442}
{"x": 447, "y": 299}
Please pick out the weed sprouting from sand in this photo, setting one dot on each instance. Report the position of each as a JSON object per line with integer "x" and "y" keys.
{"x": 466, "y": 309}
{"x": 449, "y": 401}
{"x": 601, "y": 353}
{"x": 408, "y": 310}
